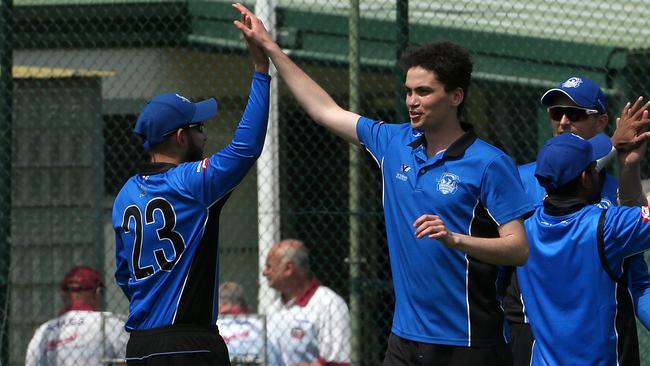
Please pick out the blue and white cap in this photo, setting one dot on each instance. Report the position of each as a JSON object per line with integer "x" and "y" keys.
{"x": 583, "y": 92}
{"x": 168, "y": 112}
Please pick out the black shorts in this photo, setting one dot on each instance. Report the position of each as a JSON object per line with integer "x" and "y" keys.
{"x": 522, "y": 343}
{"x": 403, "y": 352}
{"x": 177, "y": 345}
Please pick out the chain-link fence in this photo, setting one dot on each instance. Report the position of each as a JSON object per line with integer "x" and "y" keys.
{"x": 82, "y": 70}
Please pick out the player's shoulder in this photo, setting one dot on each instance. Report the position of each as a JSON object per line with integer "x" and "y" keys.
{"x": 393, "y": 127}
{"x": 486, "y": 149}
{"x": 527, "y": 169}
{"x": 624, "y": 215}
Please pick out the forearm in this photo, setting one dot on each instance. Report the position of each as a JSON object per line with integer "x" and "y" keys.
{"x": 249, "y": 137}
{"x": 309, "y": 94}
{"x": 316, "y": 102}
{"x": 510, "y": 250}
{"x": 630, "y": 190}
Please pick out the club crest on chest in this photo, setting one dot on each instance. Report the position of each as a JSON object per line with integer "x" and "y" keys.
{"x": 448, "y": 183}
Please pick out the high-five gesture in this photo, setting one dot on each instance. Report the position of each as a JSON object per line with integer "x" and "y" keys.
{"x": 314, "y": 100}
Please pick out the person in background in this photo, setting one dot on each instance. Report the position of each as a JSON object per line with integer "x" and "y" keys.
{"x": 309, "y": 324}
{"x": 243, "y": 333}
{"x": 81, "y": 334}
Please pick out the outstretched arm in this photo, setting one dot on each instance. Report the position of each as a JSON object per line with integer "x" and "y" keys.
{"x": 314, "y": 100}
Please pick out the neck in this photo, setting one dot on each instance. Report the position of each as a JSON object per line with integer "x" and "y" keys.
{"x": 296, "y": 288}
{"x": 162, "y": 157}
{"x": 440, "y": 137}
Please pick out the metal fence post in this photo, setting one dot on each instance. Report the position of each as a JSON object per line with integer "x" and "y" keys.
{"x": 354, "y": 194}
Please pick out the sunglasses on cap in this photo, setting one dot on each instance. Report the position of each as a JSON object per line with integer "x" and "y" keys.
{"x": 573, "y": 113}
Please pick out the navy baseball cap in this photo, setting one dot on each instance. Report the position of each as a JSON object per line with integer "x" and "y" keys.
{"x": 168, "y": 112}
{"x": 583, "y": 92}
{"x": 564, "y": 157}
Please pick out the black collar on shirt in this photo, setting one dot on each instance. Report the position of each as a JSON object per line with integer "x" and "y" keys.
{"x": 458, "y": 147}
{"x": 149, "y": 168}
{"x": 560, "y": 206}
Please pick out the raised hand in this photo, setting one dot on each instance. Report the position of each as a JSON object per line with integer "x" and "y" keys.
{"x": 252, "y": 27}
{"x": 260, "y": 59}
{"x": 632, "y": 126}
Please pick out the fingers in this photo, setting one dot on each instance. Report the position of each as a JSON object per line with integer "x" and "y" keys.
{"x": 432, "y": 229}
{"x": 429, "y": 225}
{"x": 642, "y": 137}
{"x": 241, "y": 8}
{"x": 637, "y": 109}
{"x": 423, "y": 218}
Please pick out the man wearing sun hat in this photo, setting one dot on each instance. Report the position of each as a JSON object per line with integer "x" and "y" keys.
{"x": 578, "y": 105}
{"x": 166, "y": 221}
{"x": 577, "y": 248}
{"x": 81, "y": 334}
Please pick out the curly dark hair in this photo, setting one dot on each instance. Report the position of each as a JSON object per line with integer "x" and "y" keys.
{"x": 452, "y": 63}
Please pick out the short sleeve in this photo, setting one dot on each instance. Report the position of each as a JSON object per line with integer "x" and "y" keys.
{"x": 502, "y": 192}
{"x": 334, "y": 334}
{"x": 375, "y": 136}
{"x": 626, "y": 232}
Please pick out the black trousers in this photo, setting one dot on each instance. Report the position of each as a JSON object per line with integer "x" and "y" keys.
{"x": 403, "y": 352}
{"x": 177, "y": 345}
{"x": 522, "y": 343}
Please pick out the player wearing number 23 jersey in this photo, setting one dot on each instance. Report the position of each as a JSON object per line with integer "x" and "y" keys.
{"x": 166, "y": 223}
{"x": 166, "y": 220}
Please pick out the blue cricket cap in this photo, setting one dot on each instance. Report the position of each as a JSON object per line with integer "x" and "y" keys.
{"x": 564, "y": 157}
{"x": 583, "y": 92}
{"x": 168, "y": 112}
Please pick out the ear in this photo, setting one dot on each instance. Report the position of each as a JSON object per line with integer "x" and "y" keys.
{"x": 290, "y": 268}
{"x": 181, "y": 136}
{"x": 457, "y": 95}
{"x": 584, "y": 179}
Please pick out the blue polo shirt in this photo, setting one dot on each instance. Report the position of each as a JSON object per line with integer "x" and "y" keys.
{"x": 442, "y": 295}
{"x": 569, "y": 297}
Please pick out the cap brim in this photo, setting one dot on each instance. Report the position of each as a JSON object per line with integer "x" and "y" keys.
{"x": 603, "y": 150}
{"x": 205, "y": 110}
{"x": 601, "y": 145}
{"x": 547, "y": 98}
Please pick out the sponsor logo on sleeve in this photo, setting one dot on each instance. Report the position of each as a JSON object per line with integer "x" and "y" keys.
{"x": 645, "y": 214}
{"x": 448, "y": 183}
{"x": 202, "y": 166}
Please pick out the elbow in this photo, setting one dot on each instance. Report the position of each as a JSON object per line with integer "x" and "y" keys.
{"x": 522, "y": 254}
{"x": 255, "y": 154}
